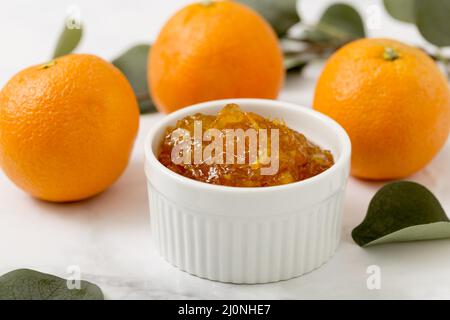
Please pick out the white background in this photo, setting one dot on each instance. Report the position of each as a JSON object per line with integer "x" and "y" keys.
{"x": 108, "y": 237}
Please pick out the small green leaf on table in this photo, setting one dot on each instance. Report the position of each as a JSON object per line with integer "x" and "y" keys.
{"x": 281, "y": 14}
{"x": 432, "y": 20}
{"x": 25, "y": 284}
{"x": 402, "y": 10}
{"x": 402, "y": 211}
{"x": 133, "y": 63}
{"x": 68, "y": 40}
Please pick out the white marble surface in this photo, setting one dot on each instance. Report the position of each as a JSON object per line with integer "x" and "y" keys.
{"x": 108, "y": 236}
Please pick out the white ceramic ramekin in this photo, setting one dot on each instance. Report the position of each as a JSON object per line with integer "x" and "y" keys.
{"x": 249, "y": 235}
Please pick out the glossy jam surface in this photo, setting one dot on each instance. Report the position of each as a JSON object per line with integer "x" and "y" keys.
{"x": 298, "y": 158}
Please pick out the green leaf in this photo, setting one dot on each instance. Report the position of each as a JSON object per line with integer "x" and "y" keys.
{"x": 281, "y": 14}
{"x": 402, "y": 211}
{"x": 432, "y": 20}
{"x": 341, "y": 22}
{"x": 133, "y": 63}
{"x": 68, "y": 40}
{"x": 25, "y": 284}
{"x": 402, "y": 10}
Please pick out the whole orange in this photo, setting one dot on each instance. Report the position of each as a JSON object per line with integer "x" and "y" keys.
{"x": 67, "y": 127}
{"x": 214, "y": 50}
{"x": 393, "y": 101}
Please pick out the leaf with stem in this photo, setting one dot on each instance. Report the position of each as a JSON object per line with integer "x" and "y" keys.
{"x": 339, "y": 24}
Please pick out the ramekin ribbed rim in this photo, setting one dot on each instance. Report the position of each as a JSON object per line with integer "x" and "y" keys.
{"x": 343, "y": 137}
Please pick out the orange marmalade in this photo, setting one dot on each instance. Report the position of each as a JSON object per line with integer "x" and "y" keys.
{"x": 296, "y": 157}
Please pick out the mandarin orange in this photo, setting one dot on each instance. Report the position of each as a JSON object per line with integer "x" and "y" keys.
{"x": 214, "y": 50}
{"x": 393, "y": 101}
{"x": 67, "y": 127}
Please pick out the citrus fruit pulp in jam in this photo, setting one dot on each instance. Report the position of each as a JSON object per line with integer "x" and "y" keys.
{"x": 297, "y": 158}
